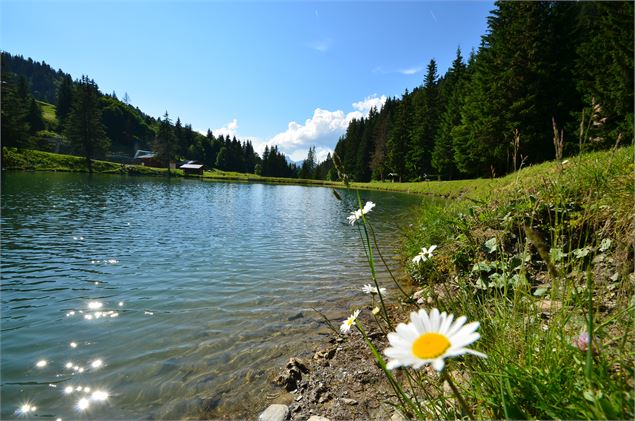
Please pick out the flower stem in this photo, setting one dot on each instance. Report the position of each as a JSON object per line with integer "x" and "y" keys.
{"x": 458, "y": 395}
{"x": 372, "y": 231}
{"x": 401, "y": 395}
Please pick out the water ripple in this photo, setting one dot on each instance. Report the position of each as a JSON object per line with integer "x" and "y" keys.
{"x": 216, "y": 283}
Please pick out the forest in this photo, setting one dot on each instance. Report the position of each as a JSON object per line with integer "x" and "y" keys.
{"x": 544, "y": 71}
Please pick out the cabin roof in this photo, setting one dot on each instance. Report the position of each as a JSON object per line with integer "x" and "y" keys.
{"x": 141, "y": 154}
{"x": 189, "y": 166}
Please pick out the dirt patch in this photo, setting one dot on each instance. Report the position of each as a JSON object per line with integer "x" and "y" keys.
{"x": 341, "y": 380}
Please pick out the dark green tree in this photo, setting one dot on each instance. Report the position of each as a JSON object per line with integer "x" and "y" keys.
{"x": 512, "y": 88}
{"x": 604, "y": 68}
{"x": 14, "y": 124}
{"x": 425, "y": 111}
{"x": 223, "y": 159}
{"x": 397, "y": 143}
{"x": 64, "y": 100}
{"x": 34, "y": 117}
{"x": 165, "y": 142}
{"x": 452, "y": 89}
{"x": 307, "y": 170}
{"x": 84, "y": 128}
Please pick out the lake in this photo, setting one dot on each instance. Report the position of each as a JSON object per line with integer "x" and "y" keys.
{"x": 131, "y": 297}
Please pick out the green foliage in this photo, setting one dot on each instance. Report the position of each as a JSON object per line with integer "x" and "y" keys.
{"x": 64, "y": 100}
{"x": 83, "y": 127}
{"x": 539, "y": 62}
{"x": 556, "y": 325}
{"x": 165, "y": 145}
{"x": 125, "y": 126}
{"x": 15, "y": 113}
{"x": 48, "y": 114}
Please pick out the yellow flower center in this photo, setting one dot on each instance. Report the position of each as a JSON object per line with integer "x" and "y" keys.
{"x": 430, "y": 345}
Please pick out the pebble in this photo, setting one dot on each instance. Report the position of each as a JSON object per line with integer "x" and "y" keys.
{"x": 317, "y": 418}
{"x": 275, "y": 412}
{"x": 398, "y": 416}
{"x": 349, "y": 401}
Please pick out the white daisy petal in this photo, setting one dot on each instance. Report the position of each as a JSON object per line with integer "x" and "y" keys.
{"x": 407, "y": 331}
{"x": 438, "y": 364}
{"x": 445, "y": 326}
{"x": 467, "y": 329}
{"x": 434, "y": 320}
{"x": 465, "y": 340}
{"x": 430, "y": 338}
{"x": 458, "y": 324}
{"x": 478, "y": 354}
{"x": 425, "y": 320}
{"x": 392, "y": 364}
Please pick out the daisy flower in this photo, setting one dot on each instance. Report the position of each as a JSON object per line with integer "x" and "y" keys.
{"x": 429, "y": 339}
{"x": 426, "y": 253}
{"x": 357, "y": 214}
{"x": 347, "y": 324}
{"x": 368, "y": 289}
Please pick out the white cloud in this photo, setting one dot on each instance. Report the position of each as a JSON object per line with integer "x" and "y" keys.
{"x": 321, "y": 46}
{"x": 230, "y": 129}
{"x": 411, "y": 70}
{"x": 370, "y": 102}
{"x": 383, "y": 70}
{"x": 322, "y": 130}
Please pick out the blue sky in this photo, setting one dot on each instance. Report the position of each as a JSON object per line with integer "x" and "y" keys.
{"x": 285, "y": 73}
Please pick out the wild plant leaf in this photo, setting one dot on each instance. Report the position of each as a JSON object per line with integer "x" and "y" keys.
{"x": 491, "y": 245}
{"x": 605, "y": 245}
{"x": 481, "y": 267}
{"x": 581, "y": 253}
{"x": 556, "y": 254}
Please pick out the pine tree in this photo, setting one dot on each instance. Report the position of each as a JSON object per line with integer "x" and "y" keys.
{"x": 84, "y": 127}
{"x": 453, "y": 89}
{"x": 307, "y": 171}
{"x": 64, "y": 100}
{"x": 511, "y": 89}
{"x": 34, "y": 117}
{"x": 165, "y": 142}
{"x": 397, "y": 143}
{"x": 604, "y": 68}
{"x": 425, "y": 104}
{"x": 14, "y": 125}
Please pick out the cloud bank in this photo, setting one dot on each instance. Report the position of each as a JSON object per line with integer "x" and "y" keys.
{"x": 321, "y": 130}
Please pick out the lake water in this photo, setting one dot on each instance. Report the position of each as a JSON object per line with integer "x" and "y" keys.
{"x": 170, "y": 298}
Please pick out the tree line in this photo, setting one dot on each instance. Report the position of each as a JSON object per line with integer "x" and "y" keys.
{"x": 94, "y": 124}
{"x": 541, "y": 70}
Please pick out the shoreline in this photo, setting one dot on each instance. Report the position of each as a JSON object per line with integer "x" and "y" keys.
{"x": 32, "y": 160}
{"x": 343, "y": 381}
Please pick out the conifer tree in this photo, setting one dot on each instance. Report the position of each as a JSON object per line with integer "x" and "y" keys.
{"x": 165, "y": 142}
{"x": 14, "y": 125}
{"x": 34, "y": 117}
{"x": 453, "y": 89}
{"x": 397, "y": 143}
{"x": 604, "y": 69}
{"x": 425, "y": 109}
{"x": 307, "y": 170}
{"x": 84, "y": 127}
{"x": 64, "y": 100}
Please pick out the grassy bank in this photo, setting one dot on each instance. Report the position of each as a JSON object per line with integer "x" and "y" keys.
{"x": 32, "y": 160}
{"x": 543, "y": 259}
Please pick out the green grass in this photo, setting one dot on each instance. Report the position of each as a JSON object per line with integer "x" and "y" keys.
{"x": 537, "y": 257}
{"x": 48, "y": 112}
{"x": 33, "y": 160}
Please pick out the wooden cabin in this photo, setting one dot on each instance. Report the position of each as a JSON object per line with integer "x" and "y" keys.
{"x": 192, "y": 168}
